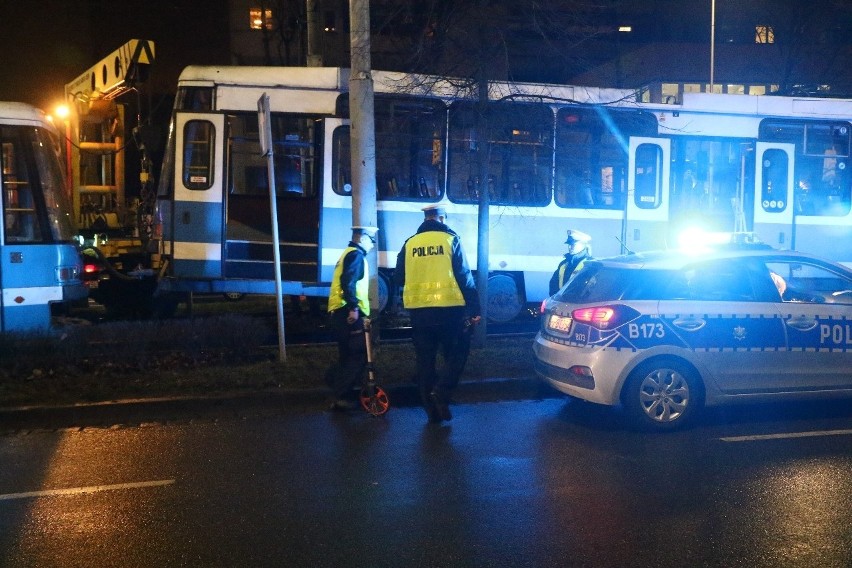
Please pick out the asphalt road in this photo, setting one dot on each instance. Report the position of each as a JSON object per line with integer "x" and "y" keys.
{"x": 513, "y": 480}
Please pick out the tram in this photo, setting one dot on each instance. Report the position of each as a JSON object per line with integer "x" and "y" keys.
{"x": 40, "y": 262}
{"x": 631, "y": 174}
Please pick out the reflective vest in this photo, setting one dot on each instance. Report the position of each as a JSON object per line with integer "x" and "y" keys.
{"x": 562, "y": 269}
{"x": 362, "y": 287}
{"x": 429, "y": 278}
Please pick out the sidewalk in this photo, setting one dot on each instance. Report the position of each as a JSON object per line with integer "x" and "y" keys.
{"x": 145, "y": 411}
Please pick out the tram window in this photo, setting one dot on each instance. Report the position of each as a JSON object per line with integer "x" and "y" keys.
{"x": 773, "y": 193}
{"x": 518, "y": 148}
{"x": 591, "y": 155}
{"x": 198, "y": 144}
{"x": 50, "y": 177}
{"x": 21, "y": 219}
{"x": 823, "y": 183}
{"x": 704, "y": 177}
{"x": 195, "y": 98}
{"x": 409, "y": 148}
{"x": 648, "y": 176}
{"x": 827, "y": 139}
{"x": 341, "y": 169}
{"x": 294, "y": 142}
{"x": 410, "y": 133}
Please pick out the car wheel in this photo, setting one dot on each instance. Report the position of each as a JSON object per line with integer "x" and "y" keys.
{"x": 662, "y": 395}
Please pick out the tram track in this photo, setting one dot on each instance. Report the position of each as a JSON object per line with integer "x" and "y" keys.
{"x": 300, "y": 328}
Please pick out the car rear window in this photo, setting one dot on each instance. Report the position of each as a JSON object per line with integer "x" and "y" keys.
{"x": 598, "y": 283}
{"x": 712, "y": 281}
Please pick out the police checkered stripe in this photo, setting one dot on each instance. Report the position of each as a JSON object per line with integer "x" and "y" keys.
{"x": 827, "y": 317}
{"x": 736, "y": 349}
{"x": 721, "y": 316}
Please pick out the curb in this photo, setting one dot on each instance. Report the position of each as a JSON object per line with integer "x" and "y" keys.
{"x": 146, "y": 411}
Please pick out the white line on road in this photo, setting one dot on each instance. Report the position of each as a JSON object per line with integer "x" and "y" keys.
{"x": 79, "y": 490}
{"x": 814, "y": 434}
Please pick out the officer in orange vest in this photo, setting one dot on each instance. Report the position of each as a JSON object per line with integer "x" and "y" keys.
{"x": 440, "y": 295}
{"x": 349, "y": 304}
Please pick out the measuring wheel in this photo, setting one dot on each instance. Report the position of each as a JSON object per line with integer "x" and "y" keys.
{"x": 373, "y": 398}
{"x": 375, "y": 403}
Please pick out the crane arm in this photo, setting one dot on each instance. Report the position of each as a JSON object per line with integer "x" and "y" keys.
{"x": 113, "y": 75}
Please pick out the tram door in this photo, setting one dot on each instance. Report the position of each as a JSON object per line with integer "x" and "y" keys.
{"x": 198, "y": 217}
{"x": 773, "y": 199}
{"x": 646, "y": 219}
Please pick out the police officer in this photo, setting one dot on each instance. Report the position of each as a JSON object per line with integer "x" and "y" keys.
{"x": 578, "y": 250}
{"x": 348, "y": 305}
{"x": 439, "y": 292}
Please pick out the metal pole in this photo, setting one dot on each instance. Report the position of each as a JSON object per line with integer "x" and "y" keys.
{"x": 362, "y": 131}
{"x": 268, "y": 150}
{"x": 314, "y": 58}
{"x": 712, "y": 42}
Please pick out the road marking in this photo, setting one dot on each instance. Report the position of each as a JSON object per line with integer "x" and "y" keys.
{"x": 814, "y": 434}
{"x": 90, "y": 489}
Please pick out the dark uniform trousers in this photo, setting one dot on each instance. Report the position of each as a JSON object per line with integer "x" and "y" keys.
{"x": 351, "y": 351}
{"x": 452, "y": 337}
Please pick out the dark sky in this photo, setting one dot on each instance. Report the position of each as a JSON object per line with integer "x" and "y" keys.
{"x": 47, "y": 43}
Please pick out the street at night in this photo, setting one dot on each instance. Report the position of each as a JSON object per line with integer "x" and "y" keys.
{"x": 592, "y": 236}
{"x": 537, "y": 482}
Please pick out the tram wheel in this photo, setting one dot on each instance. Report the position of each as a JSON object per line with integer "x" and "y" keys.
{"x": 505, "y": 300}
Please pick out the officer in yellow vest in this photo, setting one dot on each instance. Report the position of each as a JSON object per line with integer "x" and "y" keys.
{"x": 348, "y": 305}
{"x": 440, "y": 295}
{"x": 579, "y": 249}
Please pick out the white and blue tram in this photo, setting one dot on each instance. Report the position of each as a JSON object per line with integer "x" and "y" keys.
{"x": 40, "y": 262}
{"x": 630, "y": 174}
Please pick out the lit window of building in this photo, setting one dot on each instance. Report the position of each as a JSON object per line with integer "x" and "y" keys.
{"x": 735, "y": 89}
{"x": 757, "y": 90}
{"x": 764, "y": 34}
{"x": 261, "y": 19}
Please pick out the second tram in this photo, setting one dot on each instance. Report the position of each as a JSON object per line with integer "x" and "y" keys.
{"x": 40, "y": 262}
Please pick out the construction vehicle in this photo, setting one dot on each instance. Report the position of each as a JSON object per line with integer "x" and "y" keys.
{"x": 115, "y": 226}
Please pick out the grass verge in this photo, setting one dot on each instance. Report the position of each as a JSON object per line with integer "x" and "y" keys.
{"x": 199, "y": 357}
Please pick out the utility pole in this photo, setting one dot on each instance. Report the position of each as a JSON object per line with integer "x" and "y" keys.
{"x": 314, "y": 57}
{"x": 712, "y": 44}
{"x": 362, "y": 131}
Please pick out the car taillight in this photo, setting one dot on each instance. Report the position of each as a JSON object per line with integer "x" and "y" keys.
{"x": 541, "y": 307}
{"x": 90, "y": 268}
{"x": 600, "y": 315}
{"x": 605, "y": 317}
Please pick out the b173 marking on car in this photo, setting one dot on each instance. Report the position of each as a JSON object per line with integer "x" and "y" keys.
{"x": 645, "y": 330}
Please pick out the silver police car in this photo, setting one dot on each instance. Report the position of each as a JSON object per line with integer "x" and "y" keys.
{"x": 666, "y": 333}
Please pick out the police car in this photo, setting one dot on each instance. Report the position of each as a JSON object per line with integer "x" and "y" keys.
{"x": 666, "y": 333}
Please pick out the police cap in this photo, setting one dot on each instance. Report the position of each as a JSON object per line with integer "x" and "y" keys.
{"x": 434, "y": 211}
{"x": 575, "y": 236}
{"x": 367, "y": 230}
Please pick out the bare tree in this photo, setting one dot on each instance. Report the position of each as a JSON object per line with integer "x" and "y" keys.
{"x": 468, "y": 44}
{"x": 282, "y": 36}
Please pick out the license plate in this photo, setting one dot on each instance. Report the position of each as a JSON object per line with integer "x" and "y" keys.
{"x": 559, "y": 323}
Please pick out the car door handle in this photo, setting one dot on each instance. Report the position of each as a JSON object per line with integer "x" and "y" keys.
{"x": 802, "y": 323}
{"x": 689, "y": 324}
